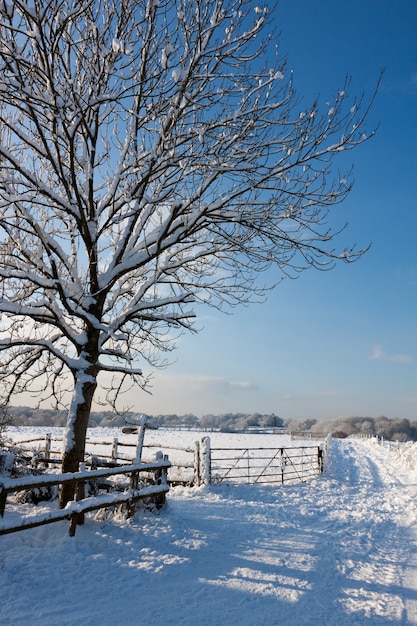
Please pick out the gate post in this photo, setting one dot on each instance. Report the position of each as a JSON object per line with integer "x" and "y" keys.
{"x": 197, "y": 474}
{"x": 206, "y": 461}
{"x": 320, "y": 458}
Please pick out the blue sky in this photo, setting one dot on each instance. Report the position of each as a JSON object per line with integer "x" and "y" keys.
{"x": 340, "y": 342}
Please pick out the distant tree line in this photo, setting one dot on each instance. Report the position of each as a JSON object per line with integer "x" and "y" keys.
{"x": 388, "y": 428}
{"x": 227, "y": 422}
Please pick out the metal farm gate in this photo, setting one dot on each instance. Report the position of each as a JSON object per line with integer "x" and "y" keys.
{"x": 265, "y": 465}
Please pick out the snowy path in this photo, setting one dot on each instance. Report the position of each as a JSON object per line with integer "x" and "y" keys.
{"x": 341, "y": 550}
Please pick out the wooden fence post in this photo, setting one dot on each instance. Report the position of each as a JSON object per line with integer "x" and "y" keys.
{"x": 114, "y": 449}
{"x": 205, "y": 461}
{"x": 197, "y": 475}
{"x": 77, "y": 519}
{"x": 158, "y": 473}
{"x": 47, "y": 452}
{"x": 3, "y": 498}
{"x": 160, "y": 478}
{"x": 140, "y": 424}
{"x": 141, "y": 436}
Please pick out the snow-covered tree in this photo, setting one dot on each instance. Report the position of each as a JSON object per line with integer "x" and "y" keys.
{"x": 153, "y": 154}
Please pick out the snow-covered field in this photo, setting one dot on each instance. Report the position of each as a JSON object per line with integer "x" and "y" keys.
{"x": 338, "y": 550}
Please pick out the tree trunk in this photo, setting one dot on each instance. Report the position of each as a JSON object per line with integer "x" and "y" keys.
{"x": 76, "y": 432}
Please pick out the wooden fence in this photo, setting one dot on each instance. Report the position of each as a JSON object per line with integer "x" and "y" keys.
{"x": 76, "y": 509}
{"x": 46, "y": 451}
{"x": 154, "y": 488}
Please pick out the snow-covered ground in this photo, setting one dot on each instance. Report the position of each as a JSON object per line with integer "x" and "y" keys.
{"x": 338, "y": 550}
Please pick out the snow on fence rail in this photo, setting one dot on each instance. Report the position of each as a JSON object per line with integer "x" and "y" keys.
{"x": 76, "y": 509}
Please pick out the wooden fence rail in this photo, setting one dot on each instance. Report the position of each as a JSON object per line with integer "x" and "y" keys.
{"x": 47, "y": 451}
{"x": 75, "y": 510}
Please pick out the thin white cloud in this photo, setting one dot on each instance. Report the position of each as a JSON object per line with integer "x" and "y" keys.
{"x": 409, "y": 399}
{"x": 313, "y": 395}
{"x": 217, "y": 382}
{"x": 379, "y": 354}
{"x": 242, "y": 384}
